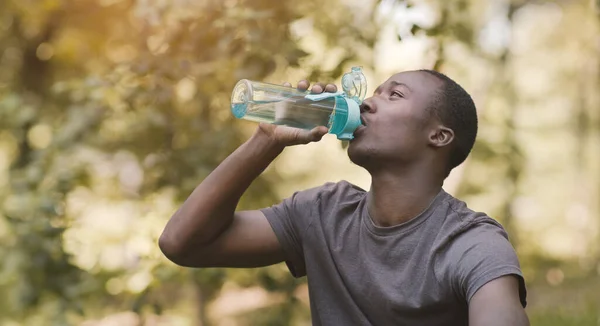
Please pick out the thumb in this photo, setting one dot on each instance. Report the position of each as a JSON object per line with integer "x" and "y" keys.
{"x": 318, "y": 132}
{"x": 307, "y": 136}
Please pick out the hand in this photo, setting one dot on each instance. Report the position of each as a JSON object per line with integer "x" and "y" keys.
{"x": 288, "y": 136}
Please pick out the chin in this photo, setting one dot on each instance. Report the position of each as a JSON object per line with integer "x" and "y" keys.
{"x": 359, "y": 154}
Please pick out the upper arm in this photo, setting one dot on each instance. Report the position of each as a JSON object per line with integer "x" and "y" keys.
{"x": 249, "y": 241}
{"x": 497, "y": 303}
{"x": 261, "y": 237}
{"x": 481, "y": 255}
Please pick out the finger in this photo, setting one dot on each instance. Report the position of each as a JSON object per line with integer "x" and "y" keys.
{"x": 303, "y": 85}
{"x": 302, "y": 136}
{"x": 331, "y": 88}
{"x": 318, "y": 88}
{"x": 318, "y": 132}
{"x": 286, "y": 84}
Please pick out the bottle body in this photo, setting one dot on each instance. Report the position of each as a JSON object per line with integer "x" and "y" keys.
{"x": 280, "y": 105}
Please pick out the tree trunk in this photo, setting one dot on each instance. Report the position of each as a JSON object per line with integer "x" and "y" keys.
{"x": 202, "y": 299}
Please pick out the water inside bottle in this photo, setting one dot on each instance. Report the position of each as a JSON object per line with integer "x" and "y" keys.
{"x": 297, "y": 112}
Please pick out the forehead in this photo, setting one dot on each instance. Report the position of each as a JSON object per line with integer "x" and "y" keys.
{"x": 418, "y": 82}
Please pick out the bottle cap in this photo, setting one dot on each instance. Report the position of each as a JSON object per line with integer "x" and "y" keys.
{"x": 346, "y": 114}
{"x": 354, "y": 84}
{"x": 345, "y": 118}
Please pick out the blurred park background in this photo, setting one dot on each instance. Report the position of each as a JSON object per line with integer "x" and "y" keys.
{"x": 112, "y": 111}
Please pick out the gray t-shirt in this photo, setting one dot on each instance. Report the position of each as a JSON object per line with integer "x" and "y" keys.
{"x": 422, "y": 272}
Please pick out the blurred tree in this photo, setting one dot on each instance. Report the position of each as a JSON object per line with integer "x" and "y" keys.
{"x": 111, "y": 112}
{"x": 141, "y": 87}
{"x": 534, "y": 166}
{"x": 460, "y": 24}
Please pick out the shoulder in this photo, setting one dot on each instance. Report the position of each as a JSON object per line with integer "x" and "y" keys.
{"x": 475, "y": 250}
{"x": 481, "y": 239}
{"x": 470, "y": 233}
{"x": 467, "y": 236}
{"x": 463, "y": 224}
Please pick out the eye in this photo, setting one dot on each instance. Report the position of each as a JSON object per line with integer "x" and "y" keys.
{"x": 397, "y": 94}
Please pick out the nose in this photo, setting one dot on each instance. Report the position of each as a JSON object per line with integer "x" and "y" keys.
{"x": 367, "y": 105}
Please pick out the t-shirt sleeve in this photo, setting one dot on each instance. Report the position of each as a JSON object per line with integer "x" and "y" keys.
{"x": 289, "y": 220}
{"x": 483, "y": 254}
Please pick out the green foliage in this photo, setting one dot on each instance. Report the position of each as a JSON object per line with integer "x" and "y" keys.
{"x": 280, "y": 314}
{"x": 112, "y": 111}
{"x": 127, "y": 102}
{"x": 588, "y": 317}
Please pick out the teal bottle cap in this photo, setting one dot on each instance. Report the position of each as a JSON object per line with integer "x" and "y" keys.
{"x": 346, "y": 115}
{"x": 345, "y": 118}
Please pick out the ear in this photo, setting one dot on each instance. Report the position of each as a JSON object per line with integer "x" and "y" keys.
{"x": 441, "y": 136}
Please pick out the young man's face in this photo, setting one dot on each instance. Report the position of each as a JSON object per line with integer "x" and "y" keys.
{"x": 398, "y": 123}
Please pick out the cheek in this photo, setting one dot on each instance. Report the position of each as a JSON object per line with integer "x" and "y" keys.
{"x": 396, "y": 127}
{"x": 405, "y": 121}
{"x": 399, "y": 135}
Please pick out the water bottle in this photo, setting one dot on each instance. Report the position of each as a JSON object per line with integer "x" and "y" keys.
{"x": 280, "y": 105}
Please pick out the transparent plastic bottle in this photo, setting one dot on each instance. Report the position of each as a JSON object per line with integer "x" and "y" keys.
{"x": 264, "y": 102}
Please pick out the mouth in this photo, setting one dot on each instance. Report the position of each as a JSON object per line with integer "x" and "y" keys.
{"x": 359, "y": 130}
{"x": 363, "y": 121}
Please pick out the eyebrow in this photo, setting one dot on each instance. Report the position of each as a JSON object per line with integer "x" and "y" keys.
{"x": 394, "y": 83}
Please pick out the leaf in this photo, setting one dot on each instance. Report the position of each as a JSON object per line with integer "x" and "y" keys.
{"x": 415, "y": 29}
{"x": 140, "y": 301}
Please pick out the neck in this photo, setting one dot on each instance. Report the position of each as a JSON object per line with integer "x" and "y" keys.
{"x": 397, "y": 197}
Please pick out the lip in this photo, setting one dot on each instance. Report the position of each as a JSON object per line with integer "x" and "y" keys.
{"x": 359, "y": 130}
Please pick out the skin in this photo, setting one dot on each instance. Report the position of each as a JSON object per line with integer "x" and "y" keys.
{"x": 402, "y": 146}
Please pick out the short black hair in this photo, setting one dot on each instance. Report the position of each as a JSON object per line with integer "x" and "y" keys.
{"x": 456, "y": 110}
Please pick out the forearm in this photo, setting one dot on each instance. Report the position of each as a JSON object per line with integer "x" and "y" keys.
{"x": 209, "y": 210}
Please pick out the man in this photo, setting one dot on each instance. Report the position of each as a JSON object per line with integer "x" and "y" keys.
{"x": 403, "y": 253}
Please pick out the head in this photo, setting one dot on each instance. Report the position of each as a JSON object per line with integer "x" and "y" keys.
{"x": 415, "y": 117}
